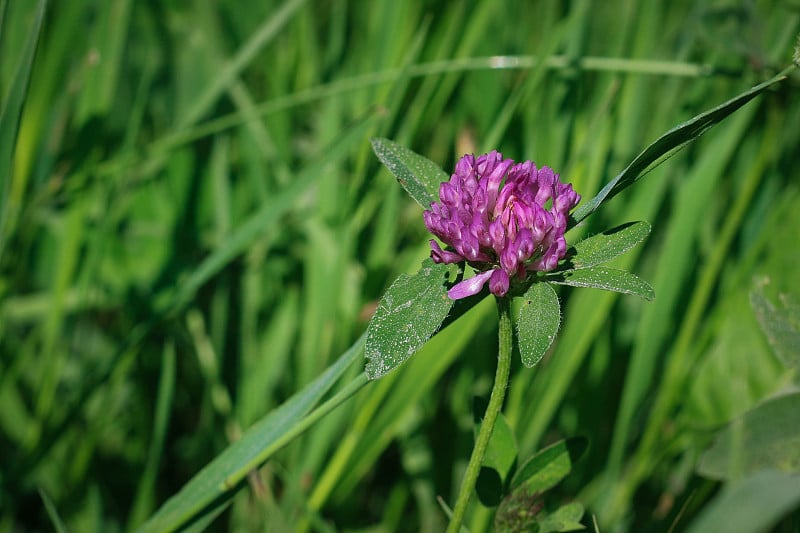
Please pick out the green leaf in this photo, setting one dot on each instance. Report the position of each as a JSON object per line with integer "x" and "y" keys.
{"x": 523, "y": 508}
{"x": 410, "y": 311}
{"x": 565, "y": 518}
{"x": 549, "y": 466}
{"x": 538, "y": 322}
{"x": 669, "y": 143}
{"x": 500, "y": 456}
{"x": 751, "y": 506}
{"x": 779, "y": 326}
{"x": 609, "y": 279}
{"x": 605, "y": 246}
{"x": 766, "y": 437}
{"x": 211, "y": 489}
{"x": 418, "y": 175}
{"x": 11, "y": 111}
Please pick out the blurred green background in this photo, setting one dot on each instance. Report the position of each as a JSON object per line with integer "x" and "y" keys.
{"x": 194, "y": 227}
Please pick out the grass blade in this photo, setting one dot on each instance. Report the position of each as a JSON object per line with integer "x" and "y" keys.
{"x": 224, "y": 475}
{"x": 10, "y": 115}
{"x": 669, "y": 143}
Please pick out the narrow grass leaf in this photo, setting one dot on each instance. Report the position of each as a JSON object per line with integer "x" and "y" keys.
{"x": 609, "y": 279}
{"x": 538, "y": 322}
{"x": 607, "y": 245}
{"x": 418, "y": 175}
{"x": 204, "y": 492}
{"x": 549, "y": 466}
{"x": 11, "y": 111}
{"x": 143, "y": 504}
{"x": 267, "y": 215}
{"x": 233, "y": 68}
{"x": 779, "y": 326}
{"x": 52, "y": 512}
{"x": 669, "y": 143}
{"x": 766, "y": 437}
{"x": 410, "y": 311}
{"x": 751, "y": 506}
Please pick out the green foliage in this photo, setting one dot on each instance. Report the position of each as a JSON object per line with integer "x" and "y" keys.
{"x": 605, "y": 246}
{"x": 549, "y": 465}
{"x": 409, "y": 312}
{"x": 780, "y": 325}
{"x": 524, "y": 507}
{"x": 498, "y": 462}
{"x": 210, "y": 490}
{"x": 669, "y": 143}
{"x": 609, "y": 279}
{"x": 418, "y": 175}
{"x": 754, "y": 505}
{"x": 195, "y": 228}
{"x": 765, "y": 438}
{"x": 10, "y": 111}
{"x": 537, "y": 323}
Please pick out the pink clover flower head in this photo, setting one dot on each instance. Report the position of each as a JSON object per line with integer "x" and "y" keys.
{"x": 506, "y": 220}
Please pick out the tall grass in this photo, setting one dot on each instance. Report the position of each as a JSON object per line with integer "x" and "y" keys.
{"x": 194, "y": 227}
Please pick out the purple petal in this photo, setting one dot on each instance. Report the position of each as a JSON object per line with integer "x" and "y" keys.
{"x": 443, "y": 256}
{"x": 470, "y": 286}
{"x": 465, "y": 165}
{"x": 498, "y": 283}
{"x": 493, "y": 180}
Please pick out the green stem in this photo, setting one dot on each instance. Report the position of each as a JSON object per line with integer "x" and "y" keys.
{"x": 489, "y": 418}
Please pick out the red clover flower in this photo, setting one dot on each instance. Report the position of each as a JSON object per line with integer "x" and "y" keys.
{"x": 505, "y": 220}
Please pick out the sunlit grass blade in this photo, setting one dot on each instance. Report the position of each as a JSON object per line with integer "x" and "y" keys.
{"x": 10, "y": 115}
{"x": 244, "y": 235}
{"x": 224, "y": 475}
{"x": 263, "y": 35}
{"x": 669, "y": 143}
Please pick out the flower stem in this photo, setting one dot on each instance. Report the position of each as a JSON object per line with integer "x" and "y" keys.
{"x": 489, "y": 418}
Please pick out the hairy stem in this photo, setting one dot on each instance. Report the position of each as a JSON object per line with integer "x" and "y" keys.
{"x": 489, "y": 418}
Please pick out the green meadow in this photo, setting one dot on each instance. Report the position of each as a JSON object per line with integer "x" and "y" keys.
{"x": 194, "y": 227}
